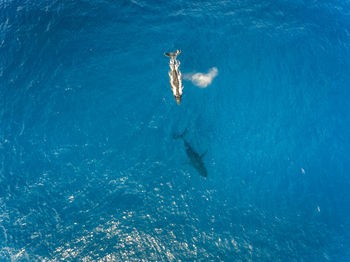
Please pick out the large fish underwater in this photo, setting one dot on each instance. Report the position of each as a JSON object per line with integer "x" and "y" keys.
{"x": 196, "y": 160}
{"x": 175, "y": 75}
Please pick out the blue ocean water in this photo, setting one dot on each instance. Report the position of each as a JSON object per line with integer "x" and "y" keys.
{"x": 90, "y": 169}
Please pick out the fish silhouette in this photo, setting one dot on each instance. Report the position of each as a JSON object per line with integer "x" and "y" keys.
{"x": 196, "y": 159}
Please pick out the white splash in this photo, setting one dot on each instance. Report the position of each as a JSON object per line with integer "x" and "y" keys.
{"x": 202, "y": 80}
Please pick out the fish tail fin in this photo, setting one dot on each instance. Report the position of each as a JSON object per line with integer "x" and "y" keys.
{"x": 173, "y": 55}
{"x": 176, "y": 136}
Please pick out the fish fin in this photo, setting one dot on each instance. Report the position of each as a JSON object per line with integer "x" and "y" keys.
{"x": 173, "y": 55}
{"x": 175, "y": 136}
{"x": 203, "y": 155}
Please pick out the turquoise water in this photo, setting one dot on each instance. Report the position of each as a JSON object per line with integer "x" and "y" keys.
{"x": 90, "y": 169}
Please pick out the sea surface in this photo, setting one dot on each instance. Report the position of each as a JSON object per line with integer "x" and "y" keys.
{"x": 90, "y": 169}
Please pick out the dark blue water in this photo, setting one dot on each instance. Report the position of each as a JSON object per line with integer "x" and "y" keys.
{"x": 89, "y": 168}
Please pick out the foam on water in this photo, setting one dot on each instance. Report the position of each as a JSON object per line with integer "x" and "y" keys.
{"x": 200, "y": 79}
